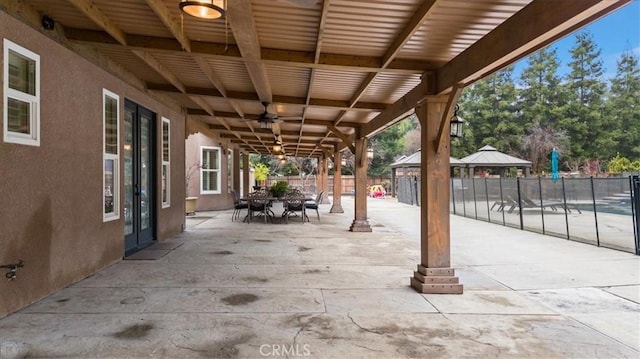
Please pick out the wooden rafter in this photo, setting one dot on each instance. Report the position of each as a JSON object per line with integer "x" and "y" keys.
{"x": 551, "y": 22}
{"x": 345, "y": 139}
{"x": 323, "y": 19}
{"x": 401, "y": 39}
{"x": 250, "y": 96}
{"x": 334, "y": 62}
{"x": 89, "y": 9}
{"x": 174, "y": 27}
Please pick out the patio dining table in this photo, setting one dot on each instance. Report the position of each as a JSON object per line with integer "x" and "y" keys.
{"x": 275, "y": 208}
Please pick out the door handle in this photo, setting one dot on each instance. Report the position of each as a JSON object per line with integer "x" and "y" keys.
{"x": 136, "y": 191}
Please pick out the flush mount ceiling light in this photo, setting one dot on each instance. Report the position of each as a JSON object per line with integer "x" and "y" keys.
{"x": 204, "y": 9}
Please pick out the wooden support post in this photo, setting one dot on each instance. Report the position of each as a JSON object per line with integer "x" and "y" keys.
{"x": 246, "y": 185}
{"x": 360, "y": 222}
{"x": 236, "y": 170}
{"x": 337, "y": 183}
{"x": 325, "y": 180}
{"x": 434, "y": 273}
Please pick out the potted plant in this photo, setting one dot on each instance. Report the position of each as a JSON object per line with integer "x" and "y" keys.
{"x": 261, "y": 172}
{"x": 279, "y": 189}
{"x": 190, "y": 201}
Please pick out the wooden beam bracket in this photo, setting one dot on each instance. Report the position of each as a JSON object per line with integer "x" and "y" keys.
{"x": 446, "y": 115}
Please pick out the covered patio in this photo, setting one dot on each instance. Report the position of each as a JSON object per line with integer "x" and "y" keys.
{"x": 315, "y": 77}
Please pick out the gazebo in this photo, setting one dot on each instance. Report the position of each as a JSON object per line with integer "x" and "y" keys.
{"x": 409, "y": 166}
{"x": 489, "y": 157}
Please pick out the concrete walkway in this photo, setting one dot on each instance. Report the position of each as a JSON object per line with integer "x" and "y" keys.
{"x": 229, "y": 289}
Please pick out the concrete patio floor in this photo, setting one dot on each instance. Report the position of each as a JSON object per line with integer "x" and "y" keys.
{"x": 227, "y": 289}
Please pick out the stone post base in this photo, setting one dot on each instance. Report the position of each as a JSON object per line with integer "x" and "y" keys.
{"x": 435, "y": 281}
{"x": 336, "y": 208}
{"x": 360, "y": 226}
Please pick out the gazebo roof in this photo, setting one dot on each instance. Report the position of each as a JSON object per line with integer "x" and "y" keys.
{"x": 491, "y": 157}
{"x": 413, "y": 160}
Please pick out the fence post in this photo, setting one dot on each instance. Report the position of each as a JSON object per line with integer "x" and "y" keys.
{"x": 595, "y": 212}
{"x": 541, "y": 203}
{"x": 464, "y": 203}
{"x": 486, "y": 196}
{"x": 504, "y": 222}
{"x": 634, "y": 181}
{"x": 519, "y": 202}
{"x": 564, "y": 200}
{"x": 453, "y": 196}
{"x": 475, "y": 200}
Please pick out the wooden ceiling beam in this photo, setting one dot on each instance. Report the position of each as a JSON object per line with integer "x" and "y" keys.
{"x": 277, "y": 99}
{"x": 282, "y": 132}
{"x": 536, "y": 25}
{"x": 240, "y": 16}
{"x": 224, "y": 123}
{"x": 233, "y": 115}
{"x": 268, "y": 56}
{"x": 174, "y": 27}
{"x": 91, "y": 11}
{"x": 155, "y": 64}
{"x": 401, "y": 107}
{"x": 345, "y": 139}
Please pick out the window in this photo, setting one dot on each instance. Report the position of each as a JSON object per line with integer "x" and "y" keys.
{"x": 229, "y": 170}
{"x": 21, "y": 115}
{"x": 111, "y": 182}
{"x": 210, "y": 170}
{"x": 166, "y": 165}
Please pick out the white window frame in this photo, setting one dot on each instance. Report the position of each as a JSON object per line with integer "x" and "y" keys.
{"x": 111, "y": 216}
{"x": 203, "y": 170}
{"x": 166, "y": 202}
{"x": 32, "y": 138}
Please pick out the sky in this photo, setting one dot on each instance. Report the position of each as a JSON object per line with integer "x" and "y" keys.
{"x": 613, "y": 34}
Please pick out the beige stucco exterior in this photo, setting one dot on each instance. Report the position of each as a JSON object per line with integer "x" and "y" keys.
{"x": 51, "y": 195}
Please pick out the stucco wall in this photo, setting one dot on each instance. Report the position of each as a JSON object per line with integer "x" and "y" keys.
{"x": 207, "y": 202}
{"x": 51, "y": 195}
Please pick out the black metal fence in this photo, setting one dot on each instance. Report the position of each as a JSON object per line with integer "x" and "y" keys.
{"x": 598, "y": 211}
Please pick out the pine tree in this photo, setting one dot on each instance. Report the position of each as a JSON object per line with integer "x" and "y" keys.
{"x": 583, "y": 120}
{"x": 542, "y": 95}
{"x": 489, "y": 107}
{"x": 623, "y": 109}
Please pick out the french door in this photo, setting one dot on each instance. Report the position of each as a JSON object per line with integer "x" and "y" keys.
{"x": 139, "y": 177}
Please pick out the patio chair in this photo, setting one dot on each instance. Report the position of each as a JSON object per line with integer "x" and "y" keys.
{"x": 238, "y": 205}
{"x": 553, "y": 205}
{"x": 258, "y": 202}
{"x": 314, "y": 205}
{"x": 294, "y": 202}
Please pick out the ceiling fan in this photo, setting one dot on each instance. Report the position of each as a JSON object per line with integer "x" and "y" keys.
{"x": 267, "y": 119}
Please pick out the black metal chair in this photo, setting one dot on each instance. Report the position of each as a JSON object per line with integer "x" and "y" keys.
{"x": 314, "y": 205}
{"x": 294, "y": 202}
{"x": 238, "y": 205}
{"x": 258, "y": 202}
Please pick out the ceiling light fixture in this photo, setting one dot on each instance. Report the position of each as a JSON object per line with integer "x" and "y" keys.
{"x": 204, "y": 9}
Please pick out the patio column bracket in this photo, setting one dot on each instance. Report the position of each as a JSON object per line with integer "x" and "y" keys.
{"x": 446, "y": 115}
{"x": 347, "y": 141}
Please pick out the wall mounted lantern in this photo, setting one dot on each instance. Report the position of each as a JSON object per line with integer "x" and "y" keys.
{"x": 457, "y": 124}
